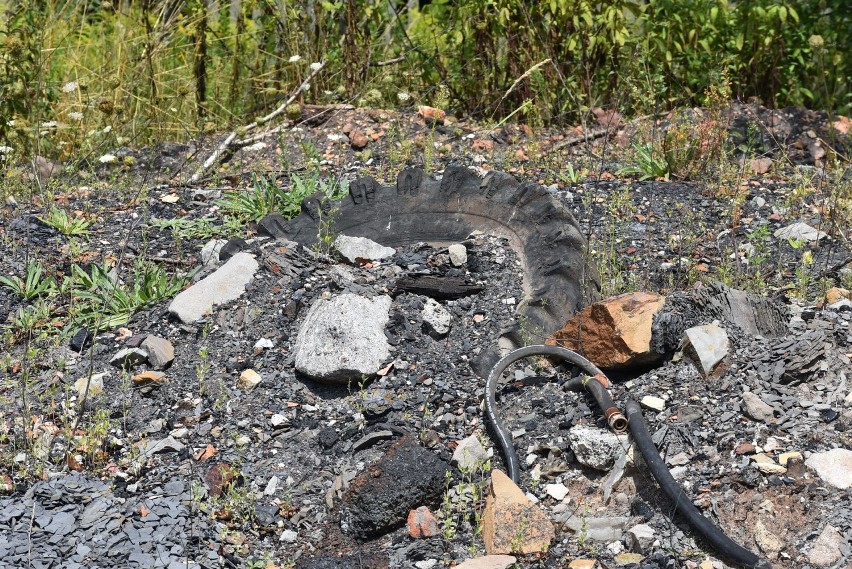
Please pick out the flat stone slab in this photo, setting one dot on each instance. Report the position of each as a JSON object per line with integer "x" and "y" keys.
{"x": 343, "y": 338}
{"x": 833, "y": 467}
{"x": 226, "y": 284}
{"x": 709, "y": 344}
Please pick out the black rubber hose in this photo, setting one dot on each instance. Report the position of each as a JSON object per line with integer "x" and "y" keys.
{"x": 598, "y": 391}
{"x": 636, "y": 422}
{"x": 684, "y": 506}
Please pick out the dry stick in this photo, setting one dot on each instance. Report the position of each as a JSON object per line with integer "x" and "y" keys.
{"x": 223, "y": 147}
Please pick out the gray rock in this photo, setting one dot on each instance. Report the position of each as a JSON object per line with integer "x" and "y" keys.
{"x": 834, "y": 467}
{"x": 708, "y": 344}
{"x": 354, "y": 248}
{"x": 469, "y": 454}
{"x": 595, "y": 448}
{"x": 458, "y": 254}
{"x": 210, "y": 252}
{"x": 343, "y": 339}
{"x": 227, "y": 283}
{"x": 756, "y": 408}
{"x": 160, "y": 351}
{"x": 488, "y": 562}
{"x": 640, "y": 538}
{"x": 288, "y": 536}
{"x": 129, "y": 357}
{"x": 436, "y": 319}
{"x": 799, "y": 231}
{"x": 597, "y": 529}
{"x": 825, "y": 551}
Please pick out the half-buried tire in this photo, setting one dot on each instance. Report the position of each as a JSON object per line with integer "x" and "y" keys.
{"x": 558, "y": 280}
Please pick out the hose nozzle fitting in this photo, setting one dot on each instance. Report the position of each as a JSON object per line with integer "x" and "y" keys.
{"x": 616, "y": 420}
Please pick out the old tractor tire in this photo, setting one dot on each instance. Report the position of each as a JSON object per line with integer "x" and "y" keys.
{"x": 558, "y": 279}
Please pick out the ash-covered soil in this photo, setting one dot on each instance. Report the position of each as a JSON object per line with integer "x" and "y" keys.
{"x": 143, "y": 493}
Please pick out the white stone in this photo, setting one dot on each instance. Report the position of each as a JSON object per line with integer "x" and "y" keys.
{"x": 227, "y": 283}
{"x": 263, "y": 343}
{"x": 96, "y": 384}
{"x": 653, "y": 403}
{"x": 488, "y": 562}
{"x": 834, "y": 467}
{"x": 343, "y": 338}
{"x": 210, "y": 251}
{"x": 593, "y": 447}
{"x": 768, "y": 542}
{"x": 556, "y": 491}
{"x": 436, "y": 319}
{"x": 825, "y": 550}
{"x": 361, "y": 248}
{"x": 271, "y": 486}
{"x": 756, "y": 408}
{"x": 458, "y": 254}
{"x": 710, "y": 345}
{"x": 799, "y": 231}
{"x": 469, "y": 454}
{"x": 289, "y": 536}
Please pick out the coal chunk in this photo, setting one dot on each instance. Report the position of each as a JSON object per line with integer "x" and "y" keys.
{"x": 379, "y": 500}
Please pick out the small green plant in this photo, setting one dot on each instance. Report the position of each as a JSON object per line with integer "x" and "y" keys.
{"x": 66, "y": 224}
{"x": 33, "y": 285}
{"x": 201, "y": 228}
{"x": 650, "y": 162}
{"x": 99, "y": 300}
{"x": 30, "y": 319}
{"x": 264, "y": 197}
{"x": 570, "y": 175}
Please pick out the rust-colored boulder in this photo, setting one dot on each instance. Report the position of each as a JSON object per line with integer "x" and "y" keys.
{"x": 511, "y": 523}
{"x": 614, "y": 333}
{"x": 421, "y": 523}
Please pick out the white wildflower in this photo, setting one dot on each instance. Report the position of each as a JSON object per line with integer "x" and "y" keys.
{"x": 48, "y": 124}
{"x": 75, "y": 116}
{"x": 69, "y": 87}
{"x": 107, "y": 128}
{"x": 121, "y": 139}
{"x": 403, "y": 97}
{"x": 295, "y": 58}
{"x": 10, "y": 123}
{"x": 316, "y": 66}
{"x": 107, "y": 159}
{"x": 306, "y": 87}
{"x": 255, "y": 146}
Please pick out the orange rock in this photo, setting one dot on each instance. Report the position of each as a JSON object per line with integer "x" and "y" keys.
{"x": 421, "y": 523}
{"x": 482, "y": 145}
{"x": 510, "y": 522}
{"x": 760, "y": 165}
{"x": 614, "y": 333}
{"x": 432, "y": 115}
{"x": 358, "y": 140}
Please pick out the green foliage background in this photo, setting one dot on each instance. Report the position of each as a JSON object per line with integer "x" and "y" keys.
{"x": 152, "y": 70}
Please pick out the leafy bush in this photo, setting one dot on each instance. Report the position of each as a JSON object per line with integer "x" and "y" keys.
{"x": 179, "y": 69}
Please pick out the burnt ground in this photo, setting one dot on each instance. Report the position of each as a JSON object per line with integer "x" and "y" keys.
{"x": 645, "y": 235}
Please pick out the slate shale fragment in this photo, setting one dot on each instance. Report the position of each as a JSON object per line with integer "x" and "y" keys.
{"x": 794, "y": 359}
{"x": 753, "y": 314}
{"x": 406, "y": 477}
